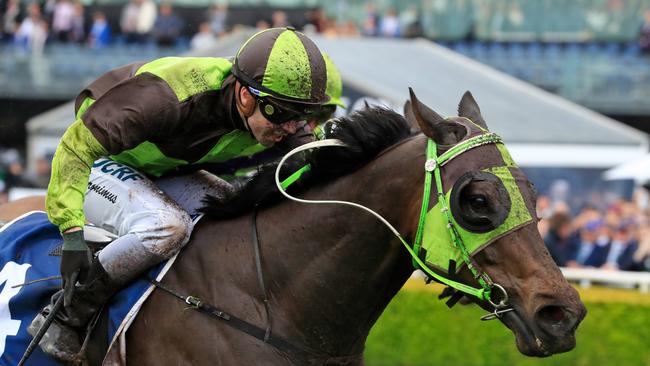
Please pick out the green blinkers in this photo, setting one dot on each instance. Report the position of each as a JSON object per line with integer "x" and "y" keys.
{"x": 508, "y": 214}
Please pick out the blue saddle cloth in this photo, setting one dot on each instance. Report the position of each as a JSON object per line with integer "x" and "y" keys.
{"x": 25, "y": 245}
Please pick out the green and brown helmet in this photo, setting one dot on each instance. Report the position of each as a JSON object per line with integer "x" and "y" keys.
{"x": 283, "y": 64}
{"x": 334, "y": 88}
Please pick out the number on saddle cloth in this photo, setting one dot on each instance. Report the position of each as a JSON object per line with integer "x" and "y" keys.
{"x": 24, "y": 246}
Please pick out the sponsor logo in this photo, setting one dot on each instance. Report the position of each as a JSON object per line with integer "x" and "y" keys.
{"x": 102, "y": 191}
{"x": 120, "y": 171}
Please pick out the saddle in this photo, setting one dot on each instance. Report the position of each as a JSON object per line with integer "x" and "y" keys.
{"x": 96, "y": 238}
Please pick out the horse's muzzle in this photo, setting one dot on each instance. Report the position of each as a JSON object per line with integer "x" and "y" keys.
{"x": 551, "y": 331}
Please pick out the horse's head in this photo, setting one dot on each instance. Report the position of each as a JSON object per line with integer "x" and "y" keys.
{"x": 491, "y": 207}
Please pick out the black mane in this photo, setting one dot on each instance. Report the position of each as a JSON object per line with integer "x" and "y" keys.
{"x": 366, "y": 133}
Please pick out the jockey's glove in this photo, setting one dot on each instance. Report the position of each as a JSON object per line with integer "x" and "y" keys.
{"x": 75, "y": 258}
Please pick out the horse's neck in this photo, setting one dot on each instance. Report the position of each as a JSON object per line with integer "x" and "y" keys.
{"x": 344, "y": 264}
{"x": 330, "y": 270}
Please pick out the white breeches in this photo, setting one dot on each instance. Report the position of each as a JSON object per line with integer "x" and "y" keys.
{"x": 152, "y": 219}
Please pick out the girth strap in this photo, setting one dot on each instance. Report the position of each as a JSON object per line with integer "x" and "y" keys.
{"x": 260, "y": 274}
{"x": 233, "y": 321}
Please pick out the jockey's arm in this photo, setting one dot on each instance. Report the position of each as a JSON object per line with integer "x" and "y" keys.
{"x": 71, "y": 165}
{"x": 121, "y": 119}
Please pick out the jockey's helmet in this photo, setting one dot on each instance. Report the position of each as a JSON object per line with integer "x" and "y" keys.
{"x": 284, "y": 70}
{"x": 334, "y": 88}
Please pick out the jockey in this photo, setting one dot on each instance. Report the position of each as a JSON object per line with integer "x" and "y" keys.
{"x": 138, "y": 124}
{"x": 312, "y": 130}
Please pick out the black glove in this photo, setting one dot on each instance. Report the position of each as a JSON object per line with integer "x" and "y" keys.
{"x": 75, "y": 261}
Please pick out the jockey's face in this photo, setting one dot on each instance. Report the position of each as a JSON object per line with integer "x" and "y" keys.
{"x": 267, "y": 133}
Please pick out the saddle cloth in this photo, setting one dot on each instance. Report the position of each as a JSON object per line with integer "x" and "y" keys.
{"x": 24, "y": 247}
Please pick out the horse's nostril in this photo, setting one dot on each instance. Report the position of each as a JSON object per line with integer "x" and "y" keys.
{"x": 553, "y": 314}
{"x": 557, "y": 320}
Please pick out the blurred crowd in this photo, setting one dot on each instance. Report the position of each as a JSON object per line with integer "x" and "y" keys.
{"x": 13, "y": 172}
{"x": 614, "y": 238}
{"x": 32, "y": 24}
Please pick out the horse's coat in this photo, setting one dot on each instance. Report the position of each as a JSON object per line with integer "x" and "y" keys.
{"x": 331, "y": 271}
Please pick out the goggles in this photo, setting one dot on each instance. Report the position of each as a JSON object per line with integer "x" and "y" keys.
{"x": 278, "y": 113}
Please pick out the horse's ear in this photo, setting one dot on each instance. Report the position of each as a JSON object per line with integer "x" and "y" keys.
{"x": 424, "y": 116}
{"x": 433, "y": 126}
{"x": 410, "y": 117}
{"x": 468, "y": 108}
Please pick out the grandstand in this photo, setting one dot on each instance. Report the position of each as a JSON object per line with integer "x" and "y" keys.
{"x": 585, "y": 50}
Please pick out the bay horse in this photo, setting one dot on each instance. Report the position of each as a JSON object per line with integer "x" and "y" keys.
{"x": 328, "y": 272}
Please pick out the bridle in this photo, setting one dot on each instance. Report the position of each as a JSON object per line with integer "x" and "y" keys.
{"x": 432, "y": 168}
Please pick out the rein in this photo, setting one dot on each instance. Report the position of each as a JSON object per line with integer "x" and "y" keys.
{"x": 432, "y": 171}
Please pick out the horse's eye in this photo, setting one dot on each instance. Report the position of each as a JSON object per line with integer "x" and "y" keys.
{"x": 478, "y": 201}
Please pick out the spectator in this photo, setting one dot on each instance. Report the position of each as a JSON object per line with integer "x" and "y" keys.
{"x": 621, "y": 251}
{"x": 558, "y": 239}
{"x": 146, "y": 19}
{"x": 137, "y": 20}
{"x": 129, "y": 21}
{"x": 40, "y": 177}
{"x": 279, "y": 19}
{"x": 410, "y": 18}
{"x": 219, "y": 19}
{"x": 641, "y": 258}
{"x": 10, "y": 19}
{"x": 12, "y": 166}
{"x": 78, "y": 31}
{"x": 262, "y": 24}
{"x": 168, "y": 26}
{"x": 48, "y": 10}
{"x": 318, "y": 19}
{"x": 592, "y": 247}
{"x": 389, "y": 25}
{"x": 100, "y": 32}
{"x": 32, "y": 32}
{"x": 62, "y": 20}
{"x": 588, "y": 213}
{"x": 644, "y": 33}
{"x": 370, "y": 21}
{"x": 204, "y": 39}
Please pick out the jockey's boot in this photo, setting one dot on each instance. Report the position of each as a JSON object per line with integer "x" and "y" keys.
{"x": 64, "y": 337}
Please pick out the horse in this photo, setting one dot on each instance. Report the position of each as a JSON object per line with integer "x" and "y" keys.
{"x": 316, "y": 278}
{"x": 13, "y": 209}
